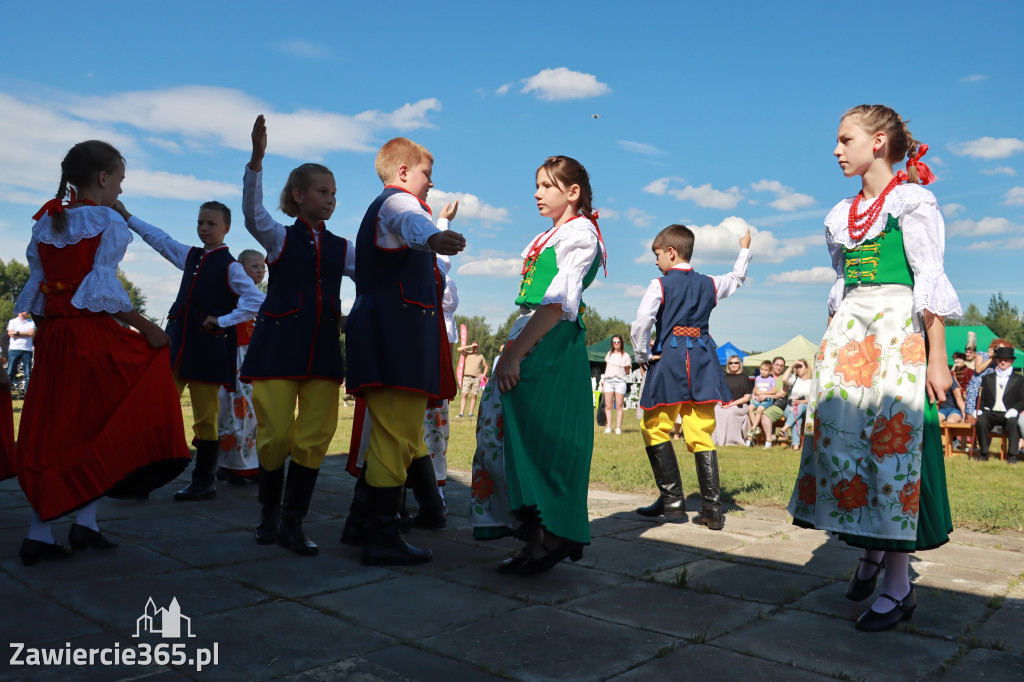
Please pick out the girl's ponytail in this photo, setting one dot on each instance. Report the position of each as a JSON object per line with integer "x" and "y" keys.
{"x": 80, "y": 168}
{"x": 900, "y": 143}
{"x": 59, "y": 219}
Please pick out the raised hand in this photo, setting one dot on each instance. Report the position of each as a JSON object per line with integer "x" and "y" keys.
{"x": 259, "y": 144}
{"x": 449, "y": 210}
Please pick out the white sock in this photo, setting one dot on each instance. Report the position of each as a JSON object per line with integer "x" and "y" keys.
{"x": 440, "y": 491}
{"x": 87, "y": 516}
{"x": 895, "y": 582}
{"x": 866, "y": 570}
{"x": 40, "y": 530}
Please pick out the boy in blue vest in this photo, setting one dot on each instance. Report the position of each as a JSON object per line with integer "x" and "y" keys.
{"x": 397, "y": 350}
{"x": 215, "y": 295}
{"x": 683, "y": 375}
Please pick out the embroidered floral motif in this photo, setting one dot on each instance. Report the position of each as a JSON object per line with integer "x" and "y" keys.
{"x": 910, "y": 497}
{"x": 807, "y": 489}
{"x": 483, "y": 485}
{"x": 891, "y": 436}
{"x": 851, "y": 494}
{"x": 857, "y": 361}
{"x": 912, "y": 350}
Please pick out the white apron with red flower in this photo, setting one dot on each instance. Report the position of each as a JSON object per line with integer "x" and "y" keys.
{"x": 236, "y": 424}
{"x": 860, "y": 467}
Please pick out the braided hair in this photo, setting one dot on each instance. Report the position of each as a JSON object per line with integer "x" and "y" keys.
{"x": 79, "y": 169}
{"x": 567, "y": 172}
{"x": 901, "y": 144}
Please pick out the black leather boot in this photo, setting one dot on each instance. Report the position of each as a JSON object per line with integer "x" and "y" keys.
{"x": 354, "y": 533}
{"x": 671, "y": 504}
{"x": 710, "y": 494}
{"x": 385, "y": 545}
{"x": 271, "y": 487}
{"x": 298, "y": 491}
{"x": 203, "y": 485}
{"x": 421, "y": 478}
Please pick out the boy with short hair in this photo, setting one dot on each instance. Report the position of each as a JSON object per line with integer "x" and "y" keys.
{"x": 684, "y": 377}
{"x": 215, "y": 295}
{"x": 397, "y": 350}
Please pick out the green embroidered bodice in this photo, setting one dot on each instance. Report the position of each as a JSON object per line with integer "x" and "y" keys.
{"x": 880, "y": 260}
{"x": 540, "y": 274}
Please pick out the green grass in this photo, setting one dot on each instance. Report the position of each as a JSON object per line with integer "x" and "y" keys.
{"x": 984, "y": 496}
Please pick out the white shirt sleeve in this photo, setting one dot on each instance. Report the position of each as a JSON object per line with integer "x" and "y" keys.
{"x": 101, "y": 290}
{"x": 575, "y": 252}
{"x": 258, "y": 221}
{"x": 729, "y": 283}
{"x": 31, "y": 299}
{"x": 924, "y": 242}
{"x": 350, "y": 260}
{"x": 171, "y": 249}
{"x": 646, "y": 314}
{"x": 838, "y": 290}
{"x": 250, "y": 298}
{"x": 402, "y": 221}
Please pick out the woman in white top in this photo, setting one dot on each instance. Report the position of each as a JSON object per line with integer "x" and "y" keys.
{"x": 797, "y": 406}
{"x": 617, "y": 365}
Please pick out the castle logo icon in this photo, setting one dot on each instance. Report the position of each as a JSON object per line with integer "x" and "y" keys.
{"x": 168, "y": 623}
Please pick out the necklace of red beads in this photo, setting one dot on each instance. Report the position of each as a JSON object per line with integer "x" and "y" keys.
{"x": 859, "y": 223}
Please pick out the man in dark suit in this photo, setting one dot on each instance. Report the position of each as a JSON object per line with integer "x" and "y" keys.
{"x": 1002, "y": 400}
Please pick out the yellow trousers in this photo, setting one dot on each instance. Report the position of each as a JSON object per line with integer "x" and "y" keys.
{"x": 396, "y": 436}
{"x": 698, "y": 425}
{"x": 205, "y": 406}
{"x": 279, "y": 432}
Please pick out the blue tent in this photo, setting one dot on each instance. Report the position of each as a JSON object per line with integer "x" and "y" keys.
{"x": 726, "y": 350}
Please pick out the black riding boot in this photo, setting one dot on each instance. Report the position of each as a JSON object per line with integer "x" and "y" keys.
{"x": 271, "y": 486}
{"x": 298, "y": 491}
{"x": 385, "y": 545}
{"x": 710, "y": 493}
{"x": 421, "y": 478}
{"x": 203, "y": 485}
{"x": 671, "y": 504}
{"x": 354, "y": 532}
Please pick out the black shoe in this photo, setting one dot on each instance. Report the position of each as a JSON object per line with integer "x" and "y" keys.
{"x": 1012, "y": 458}
{"x": 82, "y": 537}
{"x": 230, "y": 477}
{"x": 982, "y": 457}
{"x": 298, "y": 492}
{"x": 271, "y": 485}
{"x": 385, "y": 545}
{"x": 354, "y": 533}
{"x": 568, "y": 549}
{"x": 671, "y": 504}
{"x": 872, "y": 621}
{"x": 513, "y": 563}
{"x": 420, "y": 477}
{"x": 203, "y": 486}
{"x": 710, "y": 490}
{"x": 34, "y": 550}
{"x": 859, "y": 590}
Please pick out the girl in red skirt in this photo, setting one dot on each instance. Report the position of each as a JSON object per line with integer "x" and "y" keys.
{"x": 102, "y": 416}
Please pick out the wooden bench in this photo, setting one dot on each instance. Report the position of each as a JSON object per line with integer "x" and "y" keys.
{"x": 952, "y": 431}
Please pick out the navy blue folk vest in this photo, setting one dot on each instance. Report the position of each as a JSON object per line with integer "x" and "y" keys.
{"x": 297, "y": 331}
{"x": 688, "y": 370}
{"x": 199, "y": 355}
{"x": 395, "y": 335}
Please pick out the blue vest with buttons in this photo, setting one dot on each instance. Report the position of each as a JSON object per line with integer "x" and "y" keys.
{"x": 199, "y": 355}
{"x": 688, "y": 370}
{"x": 297, "y": 333}
{"x": 395, "y": 335}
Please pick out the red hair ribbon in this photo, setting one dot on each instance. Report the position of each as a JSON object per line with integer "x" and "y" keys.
{"x": 924, "y": 173}
{"x": 54, "y": 206}
{"x": 600, "y": 240}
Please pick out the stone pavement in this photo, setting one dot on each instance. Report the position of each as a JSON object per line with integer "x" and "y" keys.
{"x": 649, "y": 601}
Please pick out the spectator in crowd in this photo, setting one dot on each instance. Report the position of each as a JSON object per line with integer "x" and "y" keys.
{"x": 800, "y": 378}
{"x": 779, "y": 399}
{"x": 962, "y": 372}
{"x": 952, "y": 409}
{"x": 20, "y": 331}
{"x": 983, "y": 366}
{"x": 473, "y": 370}
{"x": 1001, "y": 403}
{"x": 617, "y": 365}
{"x": 731, "y": 417}
{"x": 760, "y": 400}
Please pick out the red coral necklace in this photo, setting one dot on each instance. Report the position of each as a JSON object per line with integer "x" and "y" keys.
{"x": 859, "y": 223}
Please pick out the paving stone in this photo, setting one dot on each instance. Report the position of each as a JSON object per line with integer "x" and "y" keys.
{"x": 1005, "y": 540}
{"x": 985, "y": 664}
{"x": 832, "y": 646}
{"x": 803, "y": 554}
{"x": 293, "y": 576}
{"x": 602, "y": 526}
{"x": 1003, "y": 561}
{"x": 960, "y": 578}
{"x": 760, "y": 528}
{"x": 166, "y": 526}
{"x": 676, "y": 611}
{"x": 744, "y": 581}
{"x": 691, "y": 536}
{"x": 280, "y": 638}
{"x": 93, "y": 673}
{"x": 398, "y": 664}
{"x": 633, "y": 558}
{"x": 214, "y": 549}
{"x": 441, "y": 606}
{"x": 697, "y": 661}
{"x": 543, "y": 643}
{"x": 49, "y": 621}
{"x": 128, "y": 560}
{"x": 451, "y": 553}
{"x": 1005, "y": 626}
{"x": 562, "y": 583}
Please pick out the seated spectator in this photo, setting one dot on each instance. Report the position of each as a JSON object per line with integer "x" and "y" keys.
{"x": 800, "y": 373}
{"x": 731, "y": 417}
{"x": 952, "y": 409}
{"x": 760, "y": 400}
{"x": 983, "y": 366}
{"x": 1001, "y": 403}
{"x": 779, "y": 399}
{"x": 962, "y": 372}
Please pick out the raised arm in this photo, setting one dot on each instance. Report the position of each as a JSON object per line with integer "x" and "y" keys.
{"x": 729, "y": 283}
{"x": 258, "y": 221}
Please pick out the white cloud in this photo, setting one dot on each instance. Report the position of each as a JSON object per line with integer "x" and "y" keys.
{"x": 721, "y": 243}
{"x": 973, "y": 78}
{"x": 950, "y": 210}
{"x": 658, "y": 187}
{"x": 988, "y": 147}
{"x": 641, "y": 148}
{"x": 786, "y": 199}
{"x": 709, "y": 197}
{"x": 491, "y": 267}
{"x": 554, "y": 85}
{"x": 503, "y": 90}
{"x": 631, "y": 290}
{"x": 999, "y": 170}
{"x": 981, "y": 228}
{"x": 304, "y": 49}
{"x": 816, "y": 275}
{"x": 1014, "y": 196}
{"x": 1002, "y": 245}
{"x": 166, "y": 145}
{"x": 638, "y": 217}
{"x": 470, "y": 207}
{"x": 164, "y": 185}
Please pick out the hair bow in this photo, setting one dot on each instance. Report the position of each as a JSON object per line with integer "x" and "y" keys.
{"x": 924, "y": 173}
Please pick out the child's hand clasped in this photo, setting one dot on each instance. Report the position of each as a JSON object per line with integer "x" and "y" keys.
{"x": 447, "y": 243}
{"x": 210, "y": 324}
{"x": 449, "y": 210}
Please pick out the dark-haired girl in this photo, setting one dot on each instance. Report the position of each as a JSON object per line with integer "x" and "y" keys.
{"x": 102, "y": 415}
{"x": 535, "y": 429}
{"x": 871, "y": 468}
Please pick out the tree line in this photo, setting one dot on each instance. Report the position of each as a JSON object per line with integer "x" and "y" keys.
{"x": 1002, "y": 317}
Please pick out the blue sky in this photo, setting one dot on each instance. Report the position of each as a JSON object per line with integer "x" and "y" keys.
{"x": 720, "y": 116}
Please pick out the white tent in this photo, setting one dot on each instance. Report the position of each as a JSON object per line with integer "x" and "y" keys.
{"x": 797, "y": 348}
